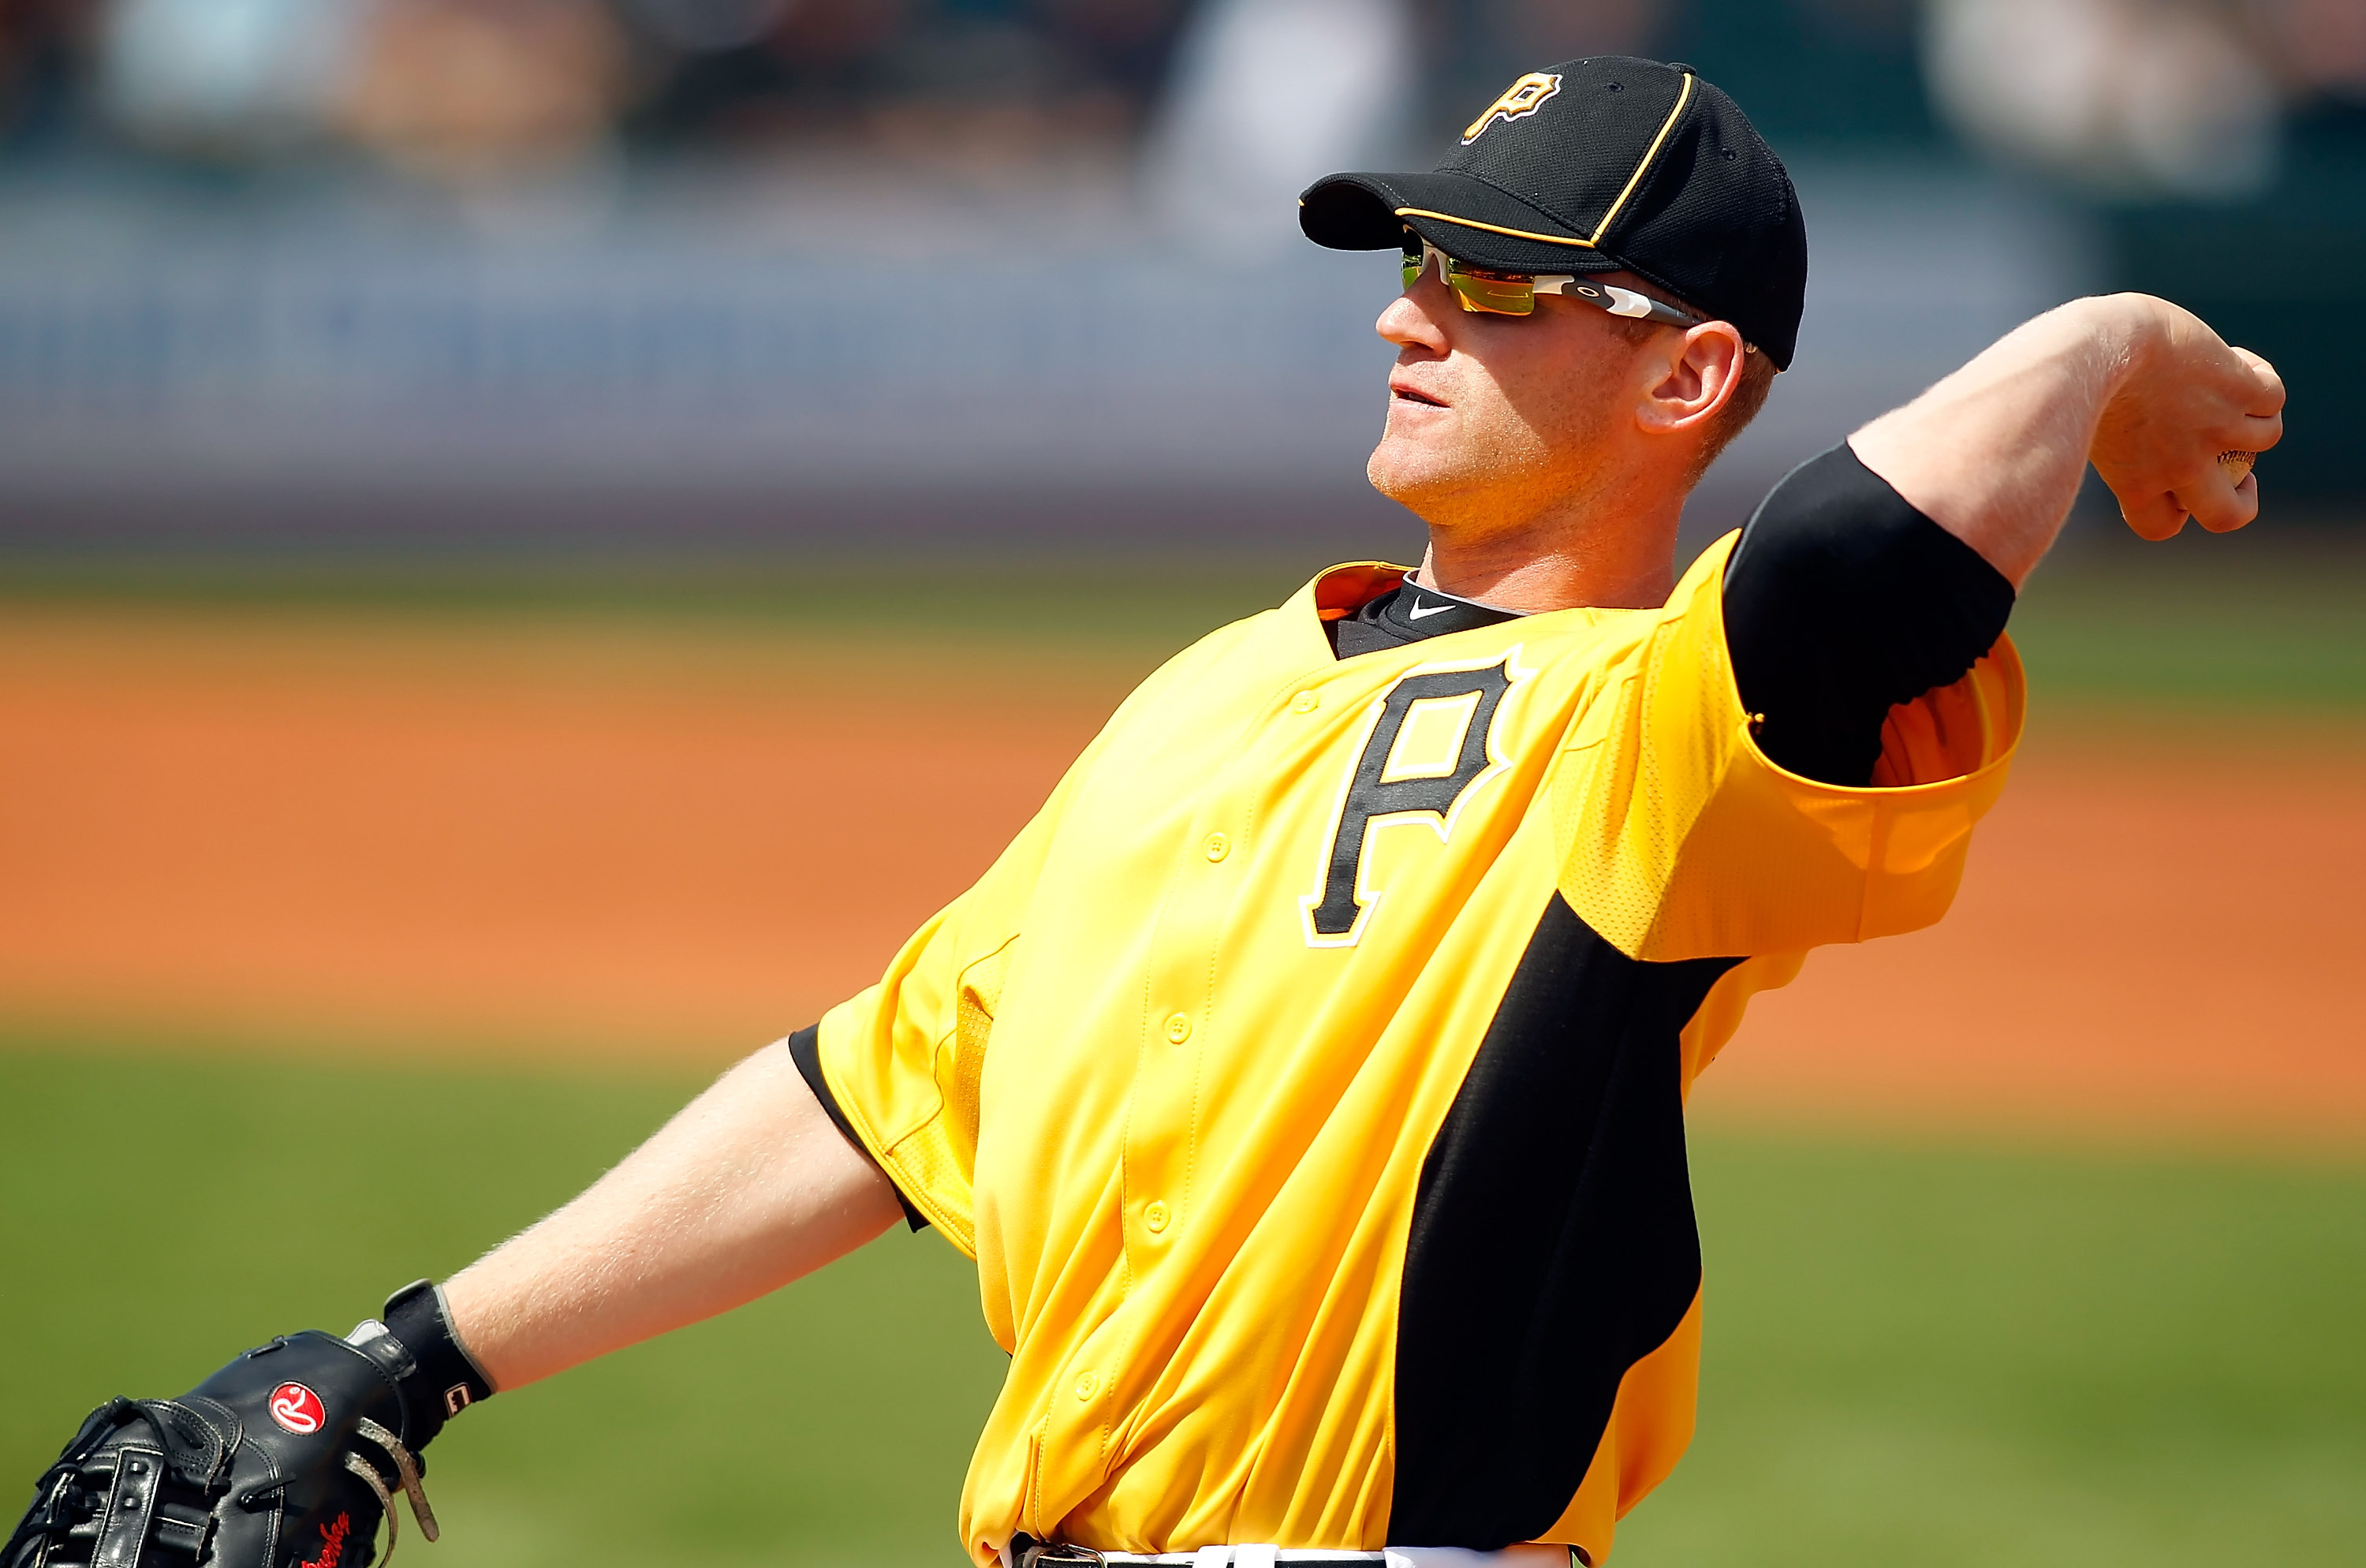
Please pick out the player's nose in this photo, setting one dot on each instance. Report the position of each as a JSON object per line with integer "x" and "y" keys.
{"x": 1411, "y": 319}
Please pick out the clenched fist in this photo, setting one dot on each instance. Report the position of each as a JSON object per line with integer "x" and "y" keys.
{"x": 2185, "y": 398}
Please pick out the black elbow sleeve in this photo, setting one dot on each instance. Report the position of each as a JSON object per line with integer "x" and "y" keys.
{"x": 1842, "y": 601}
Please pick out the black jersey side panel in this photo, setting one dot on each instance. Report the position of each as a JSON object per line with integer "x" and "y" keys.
{"x": 1552, "y": 1244}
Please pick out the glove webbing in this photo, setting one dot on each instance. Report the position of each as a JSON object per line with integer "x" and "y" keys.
{"x": 115, "y": 1500}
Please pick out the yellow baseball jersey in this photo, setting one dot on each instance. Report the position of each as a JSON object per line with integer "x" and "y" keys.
{"x": 1307, "y": 1078}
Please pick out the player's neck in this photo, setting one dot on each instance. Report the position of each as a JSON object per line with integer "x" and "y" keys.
{"x": 1561, "y": 560}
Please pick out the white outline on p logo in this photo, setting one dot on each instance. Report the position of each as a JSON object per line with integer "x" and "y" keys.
{"x": 1521, "y": 99}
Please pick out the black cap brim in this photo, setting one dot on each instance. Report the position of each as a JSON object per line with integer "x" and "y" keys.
{"x": 1462, "y": 215}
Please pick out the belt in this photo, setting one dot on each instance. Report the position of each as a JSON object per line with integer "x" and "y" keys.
{"x": 1024, "y": 1552}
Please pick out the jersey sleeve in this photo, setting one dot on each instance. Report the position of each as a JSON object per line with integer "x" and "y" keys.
{"x": 899, "y": 1062}
{"x": 1683, "y": 840}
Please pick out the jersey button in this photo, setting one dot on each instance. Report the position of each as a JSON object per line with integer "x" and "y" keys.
{"x": 1305, "y": 701}
{"x": 1154, "y": 1216}
{"x": 1086, "y": 1384}
{"x": 1178, "y": 1029}
{"x": 1219, "y": 846}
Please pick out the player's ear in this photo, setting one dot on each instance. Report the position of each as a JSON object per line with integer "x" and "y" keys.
{"x": 1693, "y": 374}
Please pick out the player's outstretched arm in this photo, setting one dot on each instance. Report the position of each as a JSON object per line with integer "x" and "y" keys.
{"x": 750, "y": 1187}
{"x": 2144, "y": 390}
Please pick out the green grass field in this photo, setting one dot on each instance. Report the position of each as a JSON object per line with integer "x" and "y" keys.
{"x": 1927, "y": 1355}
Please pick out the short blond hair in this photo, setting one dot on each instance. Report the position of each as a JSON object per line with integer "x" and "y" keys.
{"x": 1758, "y": 373}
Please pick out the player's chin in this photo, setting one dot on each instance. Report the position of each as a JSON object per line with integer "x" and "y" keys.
{"x": 1408, "y": 457}
{"x": 1385, "y": 470}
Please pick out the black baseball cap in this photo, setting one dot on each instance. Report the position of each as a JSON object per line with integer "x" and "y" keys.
{"x": 1607, "y": 164}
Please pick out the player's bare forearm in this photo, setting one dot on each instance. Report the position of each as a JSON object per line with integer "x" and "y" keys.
{"x": 2142, "y": 388}
{"x": 750, "y": 1187}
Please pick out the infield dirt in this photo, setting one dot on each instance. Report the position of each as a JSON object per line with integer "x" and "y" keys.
{"x": 592, "y": 840}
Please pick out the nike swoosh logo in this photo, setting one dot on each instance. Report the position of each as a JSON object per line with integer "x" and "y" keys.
{"x": 1419, "y": 610}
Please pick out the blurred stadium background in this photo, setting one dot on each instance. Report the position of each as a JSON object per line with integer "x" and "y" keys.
{"x": 538, "y": 537}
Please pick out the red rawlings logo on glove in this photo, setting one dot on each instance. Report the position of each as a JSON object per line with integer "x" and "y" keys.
{"x": 332, "y": 1534}
{"x": 297, "y": 1409}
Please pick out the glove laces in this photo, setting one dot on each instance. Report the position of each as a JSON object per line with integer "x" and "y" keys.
{"x": 406, "y": 1470}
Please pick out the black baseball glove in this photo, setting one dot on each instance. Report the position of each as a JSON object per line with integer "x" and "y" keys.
{"x": 286, "y": 1458}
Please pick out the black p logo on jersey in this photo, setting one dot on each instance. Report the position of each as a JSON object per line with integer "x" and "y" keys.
{"x": 1385, "y": 785}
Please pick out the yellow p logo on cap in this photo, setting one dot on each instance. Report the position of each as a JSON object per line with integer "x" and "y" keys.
{"x": 1523, "y": 97}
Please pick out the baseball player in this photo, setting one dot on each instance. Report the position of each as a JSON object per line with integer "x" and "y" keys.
{"x": 1307, "y": 1079}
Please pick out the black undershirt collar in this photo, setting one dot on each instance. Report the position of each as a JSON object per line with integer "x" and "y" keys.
{"x": 1409, "y": 613}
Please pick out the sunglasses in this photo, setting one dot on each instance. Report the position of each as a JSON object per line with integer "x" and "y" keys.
{"x": 1515, "y": 293}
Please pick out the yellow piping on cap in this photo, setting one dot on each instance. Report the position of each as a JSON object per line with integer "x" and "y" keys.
{"x": 1684, "y": 97}
{"x": 1490, "y": 228}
